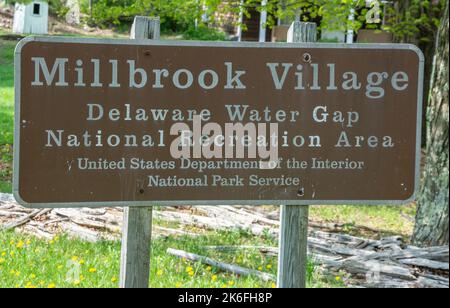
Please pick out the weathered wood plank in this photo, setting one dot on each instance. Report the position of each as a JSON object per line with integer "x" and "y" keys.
{"x": 137, "y": 224}
{"x": 23, "y": 220}
{"x": 294, "y": 219}
{"x": 293, "y": 247}
{"x": 136, "y": 244}
{"x": 424, "y": 263}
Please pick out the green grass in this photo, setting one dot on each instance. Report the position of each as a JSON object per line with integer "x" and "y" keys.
{"x": 386, "y": 220}
{"x": 27, "y": 262}
{"x": 5, "y": 186}
{"x": 6, "y": 91}
{"x": 6, "y": 112}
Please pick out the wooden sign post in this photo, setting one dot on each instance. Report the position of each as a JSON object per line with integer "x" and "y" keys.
{"x": 137, "y": 221}
{"x": 293, "y": 245}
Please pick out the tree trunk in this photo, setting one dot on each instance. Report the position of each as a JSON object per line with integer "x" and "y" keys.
{"x": 432, "y": 218}
{"x": 74, "y": 13}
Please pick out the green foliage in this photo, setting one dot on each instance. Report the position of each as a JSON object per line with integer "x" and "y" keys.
{"x": 181, "y": 15}
{"x": 404, "y": 18}
{"x": 6, "y": 113}
{"x": 176, "y": 15}
{"x": 58, "y": 7}
{"x": 332, "y": 13}
{"x": 414, "y": 21}
{"x": 204, "y": 33}
{"x": 6, "y": 92}
{"x": 5, "y": 186}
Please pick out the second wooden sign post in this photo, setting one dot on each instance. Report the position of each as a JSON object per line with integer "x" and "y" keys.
{"x": 293, "y": 244}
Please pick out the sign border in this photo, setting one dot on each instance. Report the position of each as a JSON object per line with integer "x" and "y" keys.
{"x": 17, "y": 91}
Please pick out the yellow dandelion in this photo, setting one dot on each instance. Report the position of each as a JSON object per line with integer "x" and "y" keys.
{"x": 274, "y": 286}
{"x": 28, "y": 242}
{"x": 114, "y": 280}
{"x": 269, "y": 266}
{"x": 260, "y": 268}
{"x": 2, "y": 260}
{"x": 76, "y": 282}
{"x": 178, "y": 285}
{"x": 4, "y": 254}
{"x": 92, "y": 270}
{"x": 338, "y": 278}
{"x": 74, "y": 258}
{"x": 159, "y": 273}
{"x": 15, "y": 273}
{"x": 33, "y": 276}
{"x": 20, "y": 244}
{"x": 82, "y": 262}
{"x": 189, "y": 269}
{"x": 59, "y": 267}
{"x": 214, "y": 278}
{"x": 209, "y": 268}
{"x": 51, "y": 286}
{"x": 231, "y": 283}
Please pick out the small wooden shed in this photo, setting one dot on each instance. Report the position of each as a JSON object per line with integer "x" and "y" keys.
{"x": 31, "y": 18}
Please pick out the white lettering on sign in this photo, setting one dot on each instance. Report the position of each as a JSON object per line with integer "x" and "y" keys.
{"x": 375, "y": 83}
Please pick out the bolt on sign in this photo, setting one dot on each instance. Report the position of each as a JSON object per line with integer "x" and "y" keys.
{"x": 120, "y": 123}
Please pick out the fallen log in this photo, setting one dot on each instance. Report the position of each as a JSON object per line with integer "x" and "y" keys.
{"x": 237, "y": 270}
{"x": 10, "y": 214}
{"x": 84, "y": 221}
{"x": 175, "y": 231}
{"x": 357, "y": 266}
{"x": 24, "y": 220}
{"x": 38, "y": 232}
{"x": 216, "y": 223}
{"x": 424, "y": 263}
{"x": 271, "y": 251}
{"x": 432, "y": 281}
{"x": 79, "y": 232}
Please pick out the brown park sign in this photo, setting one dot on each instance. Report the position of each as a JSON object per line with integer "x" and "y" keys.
{"x": 119, "y": 123}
